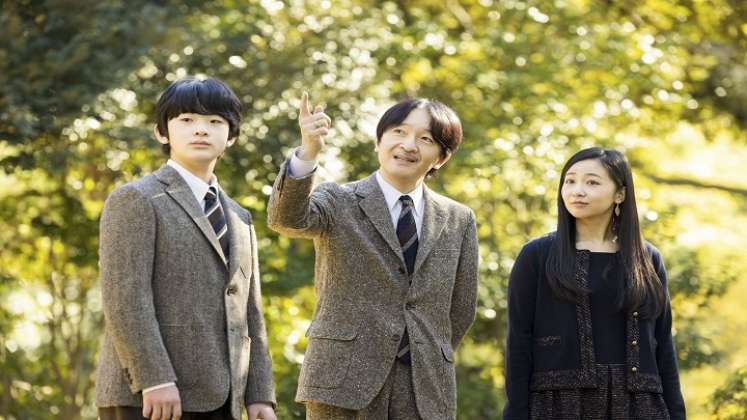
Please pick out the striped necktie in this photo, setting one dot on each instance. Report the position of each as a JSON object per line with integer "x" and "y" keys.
{"x": 407, "y": 233}
{"x": 217, "y": 219}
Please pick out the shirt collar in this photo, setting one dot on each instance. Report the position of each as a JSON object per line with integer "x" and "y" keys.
{"x": 198, "y": 187}
{"x": 392, "y": 195}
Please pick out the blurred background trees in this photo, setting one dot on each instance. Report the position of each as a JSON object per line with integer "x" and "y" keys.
{"x": 533, "y": 81}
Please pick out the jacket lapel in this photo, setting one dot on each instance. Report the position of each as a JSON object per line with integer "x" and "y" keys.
{"x": 178, "y": 190}
{"x": 434, "y": 220}
{"x": 374, "y": 206}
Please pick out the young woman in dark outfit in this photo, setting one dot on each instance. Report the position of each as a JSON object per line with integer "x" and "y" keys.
{"x": 589, "y": 320}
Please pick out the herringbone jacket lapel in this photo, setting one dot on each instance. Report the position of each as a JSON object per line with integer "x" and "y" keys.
{"x": 178, "y": 190}
{"x": 374, "y": 205}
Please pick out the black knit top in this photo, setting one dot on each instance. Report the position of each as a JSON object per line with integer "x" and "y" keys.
{"x": 607, "y": 319}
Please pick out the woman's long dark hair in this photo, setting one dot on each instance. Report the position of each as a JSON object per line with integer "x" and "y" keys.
{"x": 643, "y": 289}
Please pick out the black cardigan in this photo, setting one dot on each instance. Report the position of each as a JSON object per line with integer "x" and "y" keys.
{"x": 550, "y": 343}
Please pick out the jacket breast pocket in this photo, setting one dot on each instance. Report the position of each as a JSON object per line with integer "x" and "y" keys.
{"x": 548, "y": 341}
{"x": 445, "y": 254}
{"x": 442, "y": 264}
{"x": 328, "y": 356}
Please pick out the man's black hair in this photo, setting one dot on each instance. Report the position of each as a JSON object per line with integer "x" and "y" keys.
{"x": 445, "y": 128}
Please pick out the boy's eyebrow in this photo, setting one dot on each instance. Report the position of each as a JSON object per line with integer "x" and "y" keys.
{"x": 197, "y": 113}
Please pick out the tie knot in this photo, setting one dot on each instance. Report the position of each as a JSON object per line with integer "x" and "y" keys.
{"x": 406, "y": 201}
{"x": 211, "y": 194}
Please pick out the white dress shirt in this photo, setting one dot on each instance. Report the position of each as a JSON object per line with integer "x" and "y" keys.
{"x": 392, "y": 195}
{"x": 198, "y": 187}
{"x": 300, "y": 168}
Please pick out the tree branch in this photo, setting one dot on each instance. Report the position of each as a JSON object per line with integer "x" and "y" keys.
{"x": 698, "y": 184}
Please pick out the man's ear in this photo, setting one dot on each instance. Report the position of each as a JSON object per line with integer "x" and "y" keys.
{"x": 161, "y": 139}
{"x": 442, "y": 161}
{"x": 231, "y": 141}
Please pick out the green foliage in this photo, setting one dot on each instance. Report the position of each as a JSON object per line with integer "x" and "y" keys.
{"x": 533, "y": 81}
{"x": 730, "y": 401}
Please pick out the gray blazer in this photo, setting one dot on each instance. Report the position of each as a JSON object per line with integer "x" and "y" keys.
{"x": 175, "y": 310}
{"x": 364, "y": 300}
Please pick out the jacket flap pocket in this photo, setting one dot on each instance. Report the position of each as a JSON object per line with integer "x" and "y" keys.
{"x": 448, "y": 352}
{"x": 645, "y": 382}
{"x": 330, "y": 331}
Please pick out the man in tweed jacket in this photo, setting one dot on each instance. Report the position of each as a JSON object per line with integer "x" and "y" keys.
{"x": 184, "y": 334}
{"x": 396, "y": 270}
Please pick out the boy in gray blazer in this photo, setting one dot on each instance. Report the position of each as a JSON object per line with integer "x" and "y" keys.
{"x": 396, "y": 270}
{"x": 184, "y": 331}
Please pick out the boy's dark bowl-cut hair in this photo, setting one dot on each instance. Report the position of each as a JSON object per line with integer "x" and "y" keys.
{"x": 446, "y": 127}
{"x": 206, "y": 97}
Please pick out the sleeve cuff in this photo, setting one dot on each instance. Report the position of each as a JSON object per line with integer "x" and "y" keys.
{"x": 299, "y": 168}
{"x": 153, "y": 388}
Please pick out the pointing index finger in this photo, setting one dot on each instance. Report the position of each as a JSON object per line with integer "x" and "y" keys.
{"x": 304, "y": 106}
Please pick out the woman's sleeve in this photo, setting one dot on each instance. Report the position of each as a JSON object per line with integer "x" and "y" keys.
{"x": 666, "y": 357}
{"x": 522, "y": 290}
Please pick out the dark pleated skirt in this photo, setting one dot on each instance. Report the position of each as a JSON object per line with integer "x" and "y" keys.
{"x": 610, "y": 401}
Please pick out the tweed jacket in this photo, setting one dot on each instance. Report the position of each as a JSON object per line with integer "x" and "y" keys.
{"x": 175, "y": 309}
{"x": 364, "y": 296}
{"x": 550, "y": 344}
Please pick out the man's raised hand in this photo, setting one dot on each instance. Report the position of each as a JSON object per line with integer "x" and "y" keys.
{"x": 314, "y": 126}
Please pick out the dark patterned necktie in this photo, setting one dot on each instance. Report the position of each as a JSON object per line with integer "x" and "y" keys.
{"x": 407, "y": 233}
{"x": 217, "y": 219}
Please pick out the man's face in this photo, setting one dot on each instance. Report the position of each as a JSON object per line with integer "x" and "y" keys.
{"x": 197, "y": 139}
{"x": 408, "y": 151}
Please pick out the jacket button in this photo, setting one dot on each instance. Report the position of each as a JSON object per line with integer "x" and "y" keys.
{"x": 635, "y": 314}
{"x": 401, "y": 270}
{"x": 395, "y": 337}
{"x": 634, "y": 342}
{"x": 409, "y": 306}
{"x": 231, "y": 289}
{"x": 634, "y": 369}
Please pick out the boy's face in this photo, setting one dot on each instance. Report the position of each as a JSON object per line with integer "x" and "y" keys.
{"x": 196, "y": 139}
{"x": 408, "y": 151}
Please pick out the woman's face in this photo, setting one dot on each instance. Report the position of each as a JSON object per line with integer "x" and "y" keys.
{"x": 589, "y": 192}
